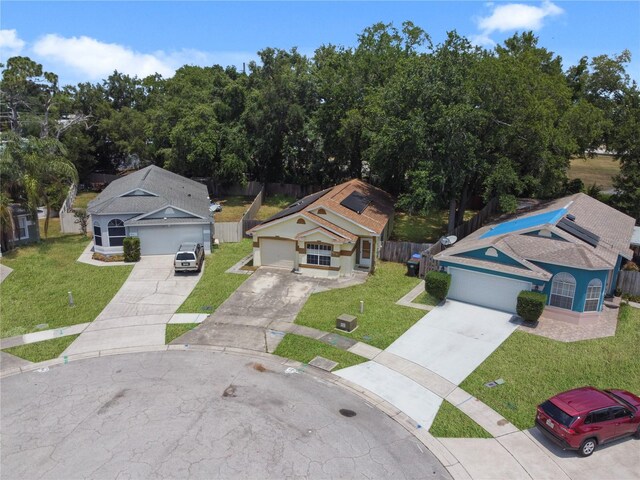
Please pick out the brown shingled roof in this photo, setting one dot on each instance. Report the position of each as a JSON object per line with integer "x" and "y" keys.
{"x": 375, "y": 217}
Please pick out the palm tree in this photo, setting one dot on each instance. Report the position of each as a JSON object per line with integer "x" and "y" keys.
{"x": 30, "y": 166}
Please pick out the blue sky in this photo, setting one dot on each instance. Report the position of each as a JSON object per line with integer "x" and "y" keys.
{"x": 85, "y": 41}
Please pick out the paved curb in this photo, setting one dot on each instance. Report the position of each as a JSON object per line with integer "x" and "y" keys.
{"x": 448, "y": 460}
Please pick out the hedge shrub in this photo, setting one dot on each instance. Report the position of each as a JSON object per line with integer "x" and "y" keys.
{"x": 437, "y": 284}
{"x": 131, "y": 247}
{"x": 530, "y": 305}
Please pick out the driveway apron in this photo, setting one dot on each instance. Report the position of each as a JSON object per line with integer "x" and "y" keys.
{"x": 139, "y": 312}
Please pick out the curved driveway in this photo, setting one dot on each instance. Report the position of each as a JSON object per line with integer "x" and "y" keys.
{"x": 196, "y": 415}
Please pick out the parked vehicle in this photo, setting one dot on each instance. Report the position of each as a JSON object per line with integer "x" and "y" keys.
{"x": 215, "y": 207}
{"x": 189, "y": 258}
{"x": 583, "y": 418}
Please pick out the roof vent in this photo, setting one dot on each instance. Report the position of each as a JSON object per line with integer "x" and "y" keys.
{"x": 571, "y": 217}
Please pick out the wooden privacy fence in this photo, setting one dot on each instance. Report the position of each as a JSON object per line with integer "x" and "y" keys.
{"x": 474, "y": 223}
{"x": 629, "y": 282}
{"x": 427, "y": 262}
{"x": 251, "y": 189}
{"x": 67, "y": 218}
{"x": 400, "y": 251}
{"x": 235, "y": 231}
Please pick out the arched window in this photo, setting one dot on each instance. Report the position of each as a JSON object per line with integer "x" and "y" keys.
{"x": 563, "y": 290}
{"x": 594, "y": 290}
{"x": 97, "y": 234}
{"x": 116, "y": 232}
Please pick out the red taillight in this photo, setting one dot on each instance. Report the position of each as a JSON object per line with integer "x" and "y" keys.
{"x": 570, "y": 431}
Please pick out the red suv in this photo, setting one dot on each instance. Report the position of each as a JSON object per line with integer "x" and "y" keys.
{"x": 586, "y": 417}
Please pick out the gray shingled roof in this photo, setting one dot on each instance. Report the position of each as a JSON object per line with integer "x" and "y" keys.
{"x": 614, "y": 228}
{"x": 171, "y": 189}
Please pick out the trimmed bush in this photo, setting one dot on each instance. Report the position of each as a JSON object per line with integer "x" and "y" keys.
{"x": 131, "y": 247}
{"x": 437, "y": 284}
{"x": 530, "y": 305}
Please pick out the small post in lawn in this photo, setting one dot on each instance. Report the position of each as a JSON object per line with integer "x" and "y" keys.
{"x": 71, "y": 302}
{"x": 361, "y": 306}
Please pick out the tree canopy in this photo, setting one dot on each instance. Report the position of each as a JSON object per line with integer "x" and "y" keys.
{"x": 436, "y": 125}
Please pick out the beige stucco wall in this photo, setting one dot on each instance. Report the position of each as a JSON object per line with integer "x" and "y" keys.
{"x": 289, "y": 229}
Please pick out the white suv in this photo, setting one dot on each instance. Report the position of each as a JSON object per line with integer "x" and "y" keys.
{"x": 189, "y": 258}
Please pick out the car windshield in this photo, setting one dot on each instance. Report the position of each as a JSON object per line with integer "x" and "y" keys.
{"x": 185, "y": 256}
{"x": 557, "y": 414}
{"x": 621, "y": 400}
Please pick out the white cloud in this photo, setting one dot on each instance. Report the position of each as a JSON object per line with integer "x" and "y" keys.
{"x": 85, "y": 58}
{"x": 98, "y": 60}
{"x": 10, "y": 44}
{"x": 514, "y": 16}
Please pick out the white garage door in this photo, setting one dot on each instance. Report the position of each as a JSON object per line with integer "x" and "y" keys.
{"x": 485, "y": 290}
{"x": 165, "y": 240}
{"x": 277, "y": 253}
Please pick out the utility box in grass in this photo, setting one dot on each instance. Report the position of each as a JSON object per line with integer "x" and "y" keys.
{"x": 346, "y": 323}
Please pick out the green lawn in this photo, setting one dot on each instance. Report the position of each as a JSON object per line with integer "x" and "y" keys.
{"x": 382, "y": 321}
{"x": 535, "y": 368}
{"x": 426, "y": 299}
{"x": 83, "y": 199}
{"x": 41, "y": 351}
{"x": 174, "y": 330}
{"x": 272, "y": 205}
{"x": 233, "y": 208}
{"x": 215, "y": 286}
{"x": 422, "y": 228}
{"x": 36, "y": 291}
{"x": 599, "y": 170}
{"x": 305, "y": 349}
{"x": 453, "y": 423}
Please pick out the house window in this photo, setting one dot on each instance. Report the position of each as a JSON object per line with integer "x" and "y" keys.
{"x": 318, "y": 254}
{"x": 594, "y": 289}
{"x": 116, "y": 232}
{"x": 97, "y": 234}
{"x": 563, "y": 290}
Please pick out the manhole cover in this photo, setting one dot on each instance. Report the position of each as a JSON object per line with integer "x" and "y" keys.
{"x": 347, "y": 413}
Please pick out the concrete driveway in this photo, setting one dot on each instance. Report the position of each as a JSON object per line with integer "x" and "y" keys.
{"x": 453, "y": 339}
{"x": 249, "y": 317}
{"x": 441, "y": 349}
{"x": 138, "y": 313}
{"x": 197, "y": 415}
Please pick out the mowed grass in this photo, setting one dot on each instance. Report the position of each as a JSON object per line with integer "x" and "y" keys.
{"x": 233, "y": 208}
{"x": 215, "y": 286}
{"x": 83, "y": 199}
{"x": 426, "y": 298}
{"x": 453, "y": 423}
{"x": 382, "y": 321}
{"x": 37, "y": 290}
{"x": 422, "y": 228}
{"x": 599, "y": 170}
{"x": 272, "y": 205}
{"x": 41, "y": 351}
{"x": 535, "y": 368}
{"x": 174, "y": 330}
{"x": 305, "y": 349}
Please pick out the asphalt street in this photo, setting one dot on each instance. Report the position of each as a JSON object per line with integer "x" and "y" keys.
{"x": 197, "y": 415}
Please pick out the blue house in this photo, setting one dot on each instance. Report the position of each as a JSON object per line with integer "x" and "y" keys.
{"x": 571, "y": 250}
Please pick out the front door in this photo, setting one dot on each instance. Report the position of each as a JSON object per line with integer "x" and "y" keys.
{"x": 365, "y": 252}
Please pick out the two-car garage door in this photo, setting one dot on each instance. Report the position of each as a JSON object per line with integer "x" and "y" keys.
{"x": 485, "y": 290}
{"x": 166, "y": 239}
{"x": 277, "y": 253}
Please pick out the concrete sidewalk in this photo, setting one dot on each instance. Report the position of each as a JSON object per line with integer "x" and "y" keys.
{"x": 4, "y": 272}
{"x": 138, "y": 314}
